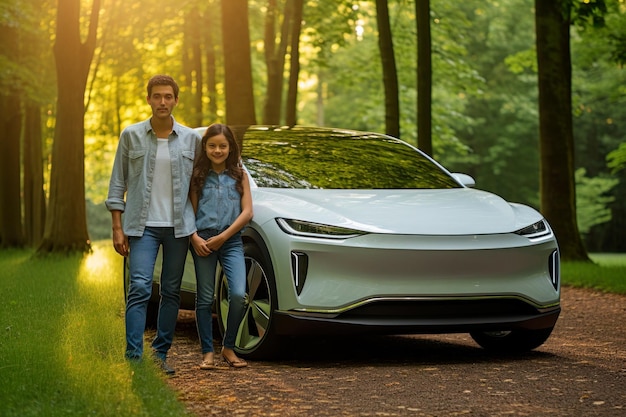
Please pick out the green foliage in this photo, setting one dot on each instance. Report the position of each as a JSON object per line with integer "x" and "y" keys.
{"x": 606, "y": 273}
{"x": 593, "y": 200}
{"x": 31, "y": 73}
{"x": 501, "y": 133}
{"x": 616, "y": 160}
{"x": 354, "y": 75}
{"x": 588, "y": 12}
{"x": 62, "y": 343}
{"x": 522, "y": 61}
{"x": 485, "y": 118}
{"x": 328, "y": 26}
{"x": 98, "y": 221}
{"x": 599, "y": 107}
{"x": 99, "y": 155}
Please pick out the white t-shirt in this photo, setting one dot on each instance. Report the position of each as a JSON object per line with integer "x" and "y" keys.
{"x": 161, "y": 211}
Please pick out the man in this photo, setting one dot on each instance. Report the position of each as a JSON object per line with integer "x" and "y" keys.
{"x": 152, "y": 169}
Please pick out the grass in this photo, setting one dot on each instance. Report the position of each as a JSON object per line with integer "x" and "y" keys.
{"x": 62, "y": 341}
{"x": 606, "y": 273}
{"x": 62, "y": 335}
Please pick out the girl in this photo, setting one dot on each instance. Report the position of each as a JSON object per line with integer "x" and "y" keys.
{"x": 220, "y": 195}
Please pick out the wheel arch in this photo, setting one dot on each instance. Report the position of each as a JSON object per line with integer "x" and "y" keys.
{"x": 251, "y": 235}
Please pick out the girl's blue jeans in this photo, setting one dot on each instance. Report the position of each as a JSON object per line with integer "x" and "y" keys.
{"x": 142, "y": 259}
{"x": 231, "y": 257}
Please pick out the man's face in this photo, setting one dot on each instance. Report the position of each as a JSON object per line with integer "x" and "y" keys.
{"x": 162, "y": 101}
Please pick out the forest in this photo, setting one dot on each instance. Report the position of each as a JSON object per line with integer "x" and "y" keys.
{"x": 73, "y": 75}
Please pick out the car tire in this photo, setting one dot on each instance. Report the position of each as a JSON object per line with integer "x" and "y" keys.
{"x": 255, "y": 337}
{"x": 513, "y": 341}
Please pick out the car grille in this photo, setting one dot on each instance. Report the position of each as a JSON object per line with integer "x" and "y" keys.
{"x": 443, "y": 309}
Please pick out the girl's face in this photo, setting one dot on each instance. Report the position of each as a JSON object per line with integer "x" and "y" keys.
{"x": 217, "y": 150}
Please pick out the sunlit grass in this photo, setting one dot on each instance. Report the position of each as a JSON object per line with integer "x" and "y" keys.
{"x": 62, "y": 341}
{"x": 606, "y": 273}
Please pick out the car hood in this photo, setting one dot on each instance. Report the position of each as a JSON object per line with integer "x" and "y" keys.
{"x": 459, "y": 211}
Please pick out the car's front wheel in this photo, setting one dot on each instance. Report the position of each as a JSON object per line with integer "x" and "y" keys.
{"x": 512, "y": 341}
{"x": 255, "y": 338}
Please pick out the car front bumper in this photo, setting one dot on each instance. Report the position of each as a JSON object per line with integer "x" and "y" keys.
{"x": 413, "y": 316}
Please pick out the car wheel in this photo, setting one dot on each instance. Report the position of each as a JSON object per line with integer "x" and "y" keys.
{"x": 512, "y": 341}
{"x": 153, "y": 307}
{"x": 255, "y": 338}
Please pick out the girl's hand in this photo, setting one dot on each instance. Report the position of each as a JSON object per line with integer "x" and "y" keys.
{"x": 215, "y": 242}
{"x": 200, "y": 245}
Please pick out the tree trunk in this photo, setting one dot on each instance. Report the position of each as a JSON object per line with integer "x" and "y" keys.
{"x": 270, "y": 114}
{"x": 557, "y": 185}
{"x": 195, "y": 81}
{"x": 390, "y": 76}
{"x": 319, "y": 102}
{"x": 275, "y": 60}
{"x": 66, "y": 221}
{"x": 34, "y": 197}
{"x": 291, "y": 107}
{"x": 211, "y": 70}
{"x": 237, "y": 63}
{"x": 424, "y": 77}
{"x": 11, "y": 233}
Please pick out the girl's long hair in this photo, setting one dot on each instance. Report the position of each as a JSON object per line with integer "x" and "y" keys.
{"x": 202, "y": 163}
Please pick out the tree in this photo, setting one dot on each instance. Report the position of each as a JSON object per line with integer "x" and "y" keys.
{"x": 390, "y": 76}
{"x": 11, "y": 233}
{"x": 192, "y": 59}
{"x": 424, "y": 76}
{"x": 34, "y": 196}
{"x": 484, "y": 86}
{"x": 326, "y": 27}
{"x": 237, "y": 63}
{"x": 24, "y": 86}
{"x": 66, "y": 223}
{"x": 501, "y": 107}
{"x": 599, "y": 106}
{"x": 294, "y": 63}
{"x": 556, "y": 137}
{"x": 275, "y": 52}
{"x": 211, "y": 68}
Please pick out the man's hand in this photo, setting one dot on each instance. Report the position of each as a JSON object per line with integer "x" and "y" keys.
{"x": 120, "y": 242}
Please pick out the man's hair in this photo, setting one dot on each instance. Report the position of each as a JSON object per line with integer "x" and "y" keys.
{"x": 162, "y": 80}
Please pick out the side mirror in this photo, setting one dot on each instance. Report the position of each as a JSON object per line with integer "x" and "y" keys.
{"x": 464, "y": 179}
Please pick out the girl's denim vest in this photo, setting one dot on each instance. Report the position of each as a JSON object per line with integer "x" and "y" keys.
{"x": 219, "y": 204}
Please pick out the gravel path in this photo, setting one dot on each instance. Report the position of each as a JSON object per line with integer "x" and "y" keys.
{"x": 579, "y": 371}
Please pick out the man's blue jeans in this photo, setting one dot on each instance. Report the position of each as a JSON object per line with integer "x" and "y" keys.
{"x": 142, "y": 259}
{"x": 231, "y": 258}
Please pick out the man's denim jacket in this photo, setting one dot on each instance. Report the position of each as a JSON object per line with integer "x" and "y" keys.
{"x": 133, "y": 172}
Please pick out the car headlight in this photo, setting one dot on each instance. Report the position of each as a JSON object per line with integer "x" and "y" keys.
{"x": 310, "y": 229}
{"x": 535, "y": 230}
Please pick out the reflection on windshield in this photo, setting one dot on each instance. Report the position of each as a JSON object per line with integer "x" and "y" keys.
{"x": 317, "y": 158}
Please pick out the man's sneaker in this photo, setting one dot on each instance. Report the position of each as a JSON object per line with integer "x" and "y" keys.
{"x": 167, "y": 370}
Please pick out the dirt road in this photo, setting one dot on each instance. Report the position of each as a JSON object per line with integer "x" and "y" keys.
{"x": 580, "y": 371}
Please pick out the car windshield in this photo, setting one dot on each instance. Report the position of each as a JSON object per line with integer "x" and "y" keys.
{"x": 335, "y": 159}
